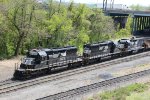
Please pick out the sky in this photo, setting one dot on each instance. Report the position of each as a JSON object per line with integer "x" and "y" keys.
{"x": 124, "y": 2}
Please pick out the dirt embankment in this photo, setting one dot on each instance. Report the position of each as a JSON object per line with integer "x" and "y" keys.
{"x": 148, "y": 43}
{"x": 7, "y": 67}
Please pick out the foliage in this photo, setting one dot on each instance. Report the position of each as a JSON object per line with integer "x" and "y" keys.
{"x": 26, "y": 24}
{"x": 125, "y": 32}
{"x": 139, "y": 96}
{"x": 101, "y": 26}
{"x": 122, "y": 93}
{"x": 137, "y": 7}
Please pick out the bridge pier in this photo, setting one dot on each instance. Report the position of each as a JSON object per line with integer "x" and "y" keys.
{"x": 141, "y": 25}
{"x": 121, "y": 21}
{"x": 118, "y": 17}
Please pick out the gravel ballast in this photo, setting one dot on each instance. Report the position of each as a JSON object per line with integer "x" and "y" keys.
{"x": 71, "y": 82}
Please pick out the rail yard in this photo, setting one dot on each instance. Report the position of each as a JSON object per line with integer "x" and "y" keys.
{"x": 71, "y": 52}
{"x": 61, "y": 82}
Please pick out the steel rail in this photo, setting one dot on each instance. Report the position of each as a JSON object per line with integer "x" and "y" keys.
{"x": 20, "y": 85}
{"x": 86, "y": 89}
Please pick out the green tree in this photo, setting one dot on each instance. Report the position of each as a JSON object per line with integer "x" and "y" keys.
{"x": 20, "y": 16}
{"x": 26, "y": 24}
{"x": 102, "y": 27}
{"x": 126, "y": 32}
{"x": 137, "y": 7}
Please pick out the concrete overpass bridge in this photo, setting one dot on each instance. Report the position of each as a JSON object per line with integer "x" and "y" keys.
{"x": 141, "y": 20}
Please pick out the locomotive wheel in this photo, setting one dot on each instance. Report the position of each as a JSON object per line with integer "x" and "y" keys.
{"x": 99, "y": 59}
{"x": 48, "y": 71}
{"x": 69, "y": 66}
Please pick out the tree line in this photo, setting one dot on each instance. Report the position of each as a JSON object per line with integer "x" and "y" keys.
{"x": 26, "y": 24}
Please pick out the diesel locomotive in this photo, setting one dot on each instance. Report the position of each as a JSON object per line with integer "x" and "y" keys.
{"x": 42, "y": 61}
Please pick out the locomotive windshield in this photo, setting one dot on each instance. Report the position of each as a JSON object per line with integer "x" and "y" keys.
{"x": 28, "y": 61}
{"x": 87, "y": 50}
{"x": 32, "y": 54}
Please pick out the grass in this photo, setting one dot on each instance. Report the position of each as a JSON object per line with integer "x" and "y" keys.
{"x": 139, "y": 96}
{"x": 122, "y": 93}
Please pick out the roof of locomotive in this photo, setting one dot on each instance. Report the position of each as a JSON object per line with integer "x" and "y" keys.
{"x": 37, "y": 52}
{"x": 60, "y": 49}
{"x": 70, "y": 47}
{"x": 137, "y": 39}
{"x": 47, "y": 50}
{"x": 124, "y": 40}
{"x": 98, "y": 44}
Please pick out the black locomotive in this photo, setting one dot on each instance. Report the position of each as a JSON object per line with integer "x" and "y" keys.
{"x": 97, "y": 51}
{"x": 42, "y": 61}
{"x": 131, "y": 45}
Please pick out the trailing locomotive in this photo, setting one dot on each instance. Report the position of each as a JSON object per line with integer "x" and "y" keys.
{"x": 97, "y": 51}
{"x": 42, "y": 61}
{"x": 131, "y": 45}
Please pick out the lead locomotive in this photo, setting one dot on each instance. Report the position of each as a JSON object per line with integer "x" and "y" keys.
{"x": 41, "y": 61}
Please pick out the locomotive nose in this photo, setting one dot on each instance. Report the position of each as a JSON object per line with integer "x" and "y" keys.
{"x": 18, "y": 74}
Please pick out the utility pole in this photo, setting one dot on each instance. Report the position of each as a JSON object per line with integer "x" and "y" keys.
{"x": 113, "y": 4}
{"x": 110, "y": 4}
{"x": 59, "y": 5}
{"x": 104, "y": 5}
{"x": 97, "y": 4}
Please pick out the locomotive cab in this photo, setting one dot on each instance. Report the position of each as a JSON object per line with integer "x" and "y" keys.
{"x": 111, "y": 46}
{"x": 33, "y": 59}
{"x": 28, "y": 63}
{"x": 124, "y": 44}
{"x": 137, "y": 44}
{"x": 86, "y": 52}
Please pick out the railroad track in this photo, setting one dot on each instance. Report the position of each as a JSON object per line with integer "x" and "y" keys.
{"x": 8, "y": 81}
{"x": 6, "y": 88}
{"x": 71, "y": 94}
